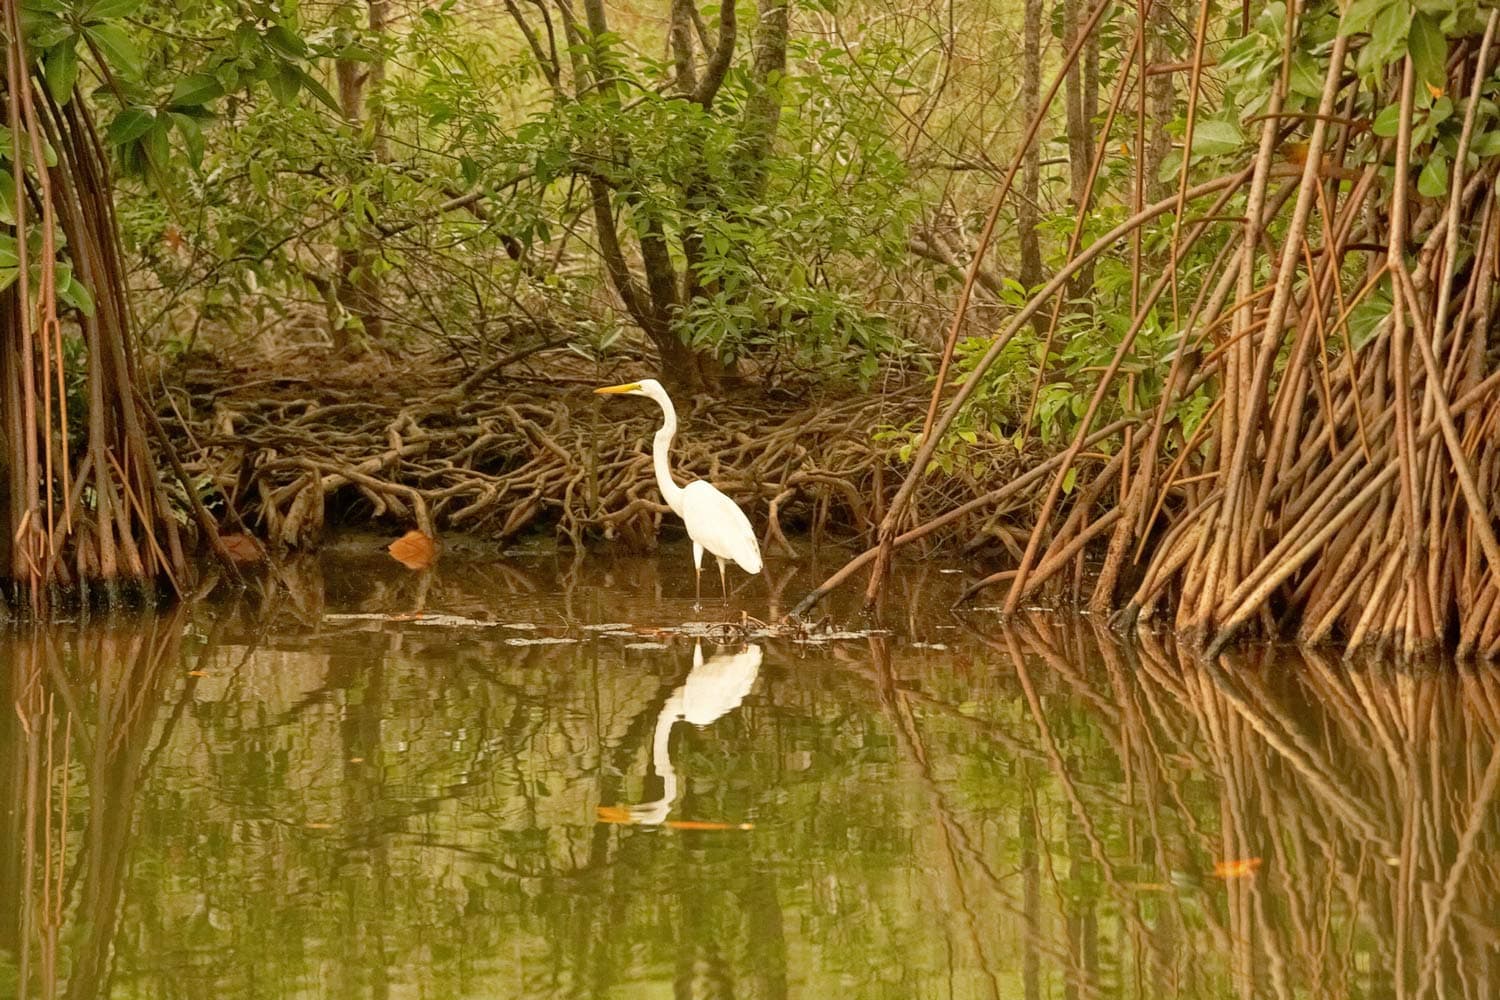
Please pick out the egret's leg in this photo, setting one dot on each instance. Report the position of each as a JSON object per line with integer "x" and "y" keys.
{"x": 723, "y": 584}
{"x": 698, "y": 577}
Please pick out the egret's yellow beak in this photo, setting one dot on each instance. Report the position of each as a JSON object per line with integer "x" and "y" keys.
{"x": 612, "y": 389}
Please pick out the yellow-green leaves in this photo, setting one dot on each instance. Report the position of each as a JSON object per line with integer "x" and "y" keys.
{"x": 116, "y": 45}
{"x": 1433, "y": 181}
{"x": 1429, "y": 51}
{"x": 60, "y": 69}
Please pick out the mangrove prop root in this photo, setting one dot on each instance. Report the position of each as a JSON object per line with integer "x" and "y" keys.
{"x": 500, "y": 458}
{"x": 1338, "y": 487}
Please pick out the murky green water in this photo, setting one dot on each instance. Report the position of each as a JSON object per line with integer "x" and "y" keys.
{"x": 283, "y": 799}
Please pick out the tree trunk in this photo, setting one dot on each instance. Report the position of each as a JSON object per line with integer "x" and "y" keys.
{"x": 1081, "y": 97}
{"x": 359, "y": 291}
{"x": 762, "y": 112}
{"x": 1161, "y": 101}
{"x": 1028, "y": 214}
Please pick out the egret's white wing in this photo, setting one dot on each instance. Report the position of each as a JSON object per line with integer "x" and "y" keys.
{"x": 715, "y": 522}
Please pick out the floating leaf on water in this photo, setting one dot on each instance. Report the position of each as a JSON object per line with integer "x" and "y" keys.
{"x": 414, "y": 550}
{"x": 1237, "y": 868}
{"x": 541, "y": 640}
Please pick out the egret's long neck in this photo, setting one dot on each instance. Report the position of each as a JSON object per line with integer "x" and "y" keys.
{"x": 661, "y": 755}
{"x": 660, "y": 449}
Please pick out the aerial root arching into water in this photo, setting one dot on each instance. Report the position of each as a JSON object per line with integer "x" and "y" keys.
{"x": 444, "y": 451}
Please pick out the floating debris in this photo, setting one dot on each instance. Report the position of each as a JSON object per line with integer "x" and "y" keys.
{"x": 428, "y": 618}
{"x": 541, "y": 640}
{"x": 1236, "y": 868}
{"x": 621, "y": 815}
{"x": 610, "y": 627}
{"x": 837, "y": 635}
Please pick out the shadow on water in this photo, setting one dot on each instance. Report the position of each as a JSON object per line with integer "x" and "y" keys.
{"x": 565, "y": 792}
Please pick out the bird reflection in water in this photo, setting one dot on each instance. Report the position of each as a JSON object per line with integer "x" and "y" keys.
{"x": 713, "y": 688}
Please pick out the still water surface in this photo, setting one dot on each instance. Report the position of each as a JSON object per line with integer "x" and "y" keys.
{"x": 309, "y": 793}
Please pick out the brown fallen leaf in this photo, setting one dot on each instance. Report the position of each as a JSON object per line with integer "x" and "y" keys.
{"x": 1237, "y": 868}
{"x": 414, "y": 550}
{"x": 242, "y": 548}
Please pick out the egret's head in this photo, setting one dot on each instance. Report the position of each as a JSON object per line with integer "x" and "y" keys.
{"x": 648, "y": 387}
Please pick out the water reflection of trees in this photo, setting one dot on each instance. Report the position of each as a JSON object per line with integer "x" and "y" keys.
{"x": 84, "y": 731}
{"x": 1035, "y": 812}
{"x": 1358, "y": 801}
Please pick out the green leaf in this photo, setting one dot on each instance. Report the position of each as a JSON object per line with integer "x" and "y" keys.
{"x": 286, "y": 42}
{"x": 192, "y": 136}
{"x": 1485, "y": 144}
{"x": 76, "y": 294}
{"x": 1306, "y": 78}
{"x": 116, "y": 46}
{"x": 1360, "y": 15}
{"x": 1388, "y": 33}
{"x": 318, "y": 90}
{"x": 1388, "y": 122}
{"x": 1429, "y": 51}
{"x": 44, "y": 31}
{"x": 157, "y": 144}
{"x": 104, "y": 10}
{"x": 1434, "y": 180}
{"x": 60, "y": 67}
{"x": 285, "y": 84}
{"x": 131, "y": 124}
{"x": 1216, "y": 136}
{"x": 200, "y": 88}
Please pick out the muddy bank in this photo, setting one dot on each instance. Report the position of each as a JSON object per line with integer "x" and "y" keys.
{"x": 287, "y": 453}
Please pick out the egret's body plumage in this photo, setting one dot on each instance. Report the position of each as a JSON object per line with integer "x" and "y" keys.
{"x": 714, "y": 522}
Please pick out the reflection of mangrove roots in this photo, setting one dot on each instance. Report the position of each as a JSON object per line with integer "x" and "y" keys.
{"x": 505, "y": 456}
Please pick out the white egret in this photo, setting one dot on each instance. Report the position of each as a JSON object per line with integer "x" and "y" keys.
{"x": 713, "y": 689}
{"x": 713, "y": 520}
